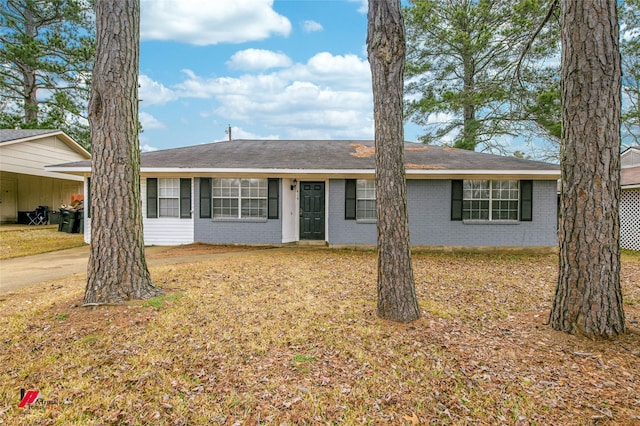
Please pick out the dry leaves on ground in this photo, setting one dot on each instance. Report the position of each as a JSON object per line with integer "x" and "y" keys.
{"x": 292, "y": 337}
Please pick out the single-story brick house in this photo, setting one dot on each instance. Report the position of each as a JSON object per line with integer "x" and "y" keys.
{"x": 630, "y": 199}
{"x": 286, "y": 191}
{"x": 24, "y": 182}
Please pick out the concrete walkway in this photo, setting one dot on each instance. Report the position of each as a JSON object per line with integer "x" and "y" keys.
{"x": 22, "y": 272}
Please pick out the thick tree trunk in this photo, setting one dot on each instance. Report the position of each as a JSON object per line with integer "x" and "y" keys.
{"x": 386, "y": 47}
{"x": 588, "y": 298}
{"x": 117, "y": 268}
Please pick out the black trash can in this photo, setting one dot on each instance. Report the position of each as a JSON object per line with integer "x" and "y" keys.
{"x": 64, "y": 220}
{"x": 79, "y": 226}
{"x": 68, "y": 221}
{"x": 54, "y": 218}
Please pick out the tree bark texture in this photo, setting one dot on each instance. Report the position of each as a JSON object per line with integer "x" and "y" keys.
{"x": 117, "y": 269}
{"x": 588, "y": 298}
{"x": 29, "y": 76}
{"x": 386, "y": 47}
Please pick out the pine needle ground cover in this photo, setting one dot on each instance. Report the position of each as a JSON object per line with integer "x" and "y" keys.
{"x": 291, "y": 337}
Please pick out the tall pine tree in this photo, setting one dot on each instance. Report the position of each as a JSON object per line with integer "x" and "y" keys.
{"x": 386, "y": 47}
{"x": 117, "y": 269}
{"x": 461, "y": 58}
{"x": 588, "y": 297}
{"x": 46, "y": 52}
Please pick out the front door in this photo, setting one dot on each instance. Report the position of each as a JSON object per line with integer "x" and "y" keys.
{"x": 312, "y": 210}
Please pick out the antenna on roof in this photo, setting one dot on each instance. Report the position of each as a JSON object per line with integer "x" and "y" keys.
{"x": 228, "y": 131}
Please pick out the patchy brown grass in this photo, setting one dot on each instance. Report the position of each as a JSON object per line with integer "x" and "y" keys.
{"x": 35, "y": 240}
{"x": 292, "y": 337}
{"x": 198, "y": 249}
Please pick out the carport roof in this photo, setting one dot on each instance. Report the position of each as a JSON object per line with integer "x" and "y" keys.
{"x": 10, "y": 135}
{"x": 16, "y": 136}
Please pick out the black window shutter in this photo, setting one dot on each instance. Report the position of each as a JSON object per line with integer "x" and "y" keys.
{"x": 456, "y": 200}
{"x": 526, "y": 200}
{"x": 350, "y": 199}
{"x": 273, "y": 198}
{"x": 87, "y": 204}
{"x": 185, "y": 198}
{"x": 205, "y": 198}
{"x": 152, "y": 197}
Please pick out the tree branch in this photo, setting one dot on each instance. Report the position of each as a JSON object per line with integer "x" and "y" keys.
{"x": 553, "y": 5}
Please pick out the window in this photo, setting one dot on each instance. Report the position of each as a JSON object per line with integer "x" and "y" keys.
{"x": 365, "y": 199}
{"x": 169, "y": 197}
{"x": 490, "y": 200}
{"x": 240, "y": 198}
{"x": 360, "y": 199}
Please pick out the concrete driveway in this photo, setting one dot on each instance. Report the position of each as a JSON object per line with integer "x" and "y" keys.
{"x": 21, "y": 272}
{"x": 24, "y": 271}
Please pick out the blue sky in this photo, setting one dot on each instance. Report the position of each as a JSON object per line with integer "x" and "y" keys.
{"x": 283, "y": 69}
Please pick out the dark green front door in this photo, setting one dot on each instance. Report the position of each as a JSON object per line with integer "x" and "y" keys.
{"x": 312, "y": 211}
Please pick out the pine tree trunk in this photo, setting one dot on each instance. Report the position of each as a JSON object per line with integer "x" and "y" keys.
{"x": 469, "y": 126}
{"x": 117, "y": 269}
{"x": 29, "y": 76}
{"x": 588, "y": 298}
{"x": 386, "y": 47}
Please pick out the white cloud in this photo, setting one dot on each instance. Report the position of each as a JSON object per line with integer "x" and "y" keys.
{"x": 154, "y": 93}
{"x": 327, "y": 97}
{"x": 144, "y": 144}
{"x": 311, "y": 26}
{"x": 348, "y": 71}
{"x": 258, "y": 59}
{"x": 148, "y": 121}
{"x": 364, "y": 5}
{"x": 206, "y": 22}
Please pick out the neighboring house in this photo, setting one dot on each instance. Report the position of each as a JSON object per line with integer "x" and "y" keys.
{"x": 630, "y": 199}
{"x": 279, "y": 191}
{"x": 24, "y": 183}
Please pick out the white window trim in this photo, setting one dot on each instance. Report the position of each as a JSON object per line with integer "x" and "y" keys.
{"x": 162, "y": 187}
{"x": 239, "y": 198}
{"x": 365, "y": 219}
{"x": 491, "y": 200}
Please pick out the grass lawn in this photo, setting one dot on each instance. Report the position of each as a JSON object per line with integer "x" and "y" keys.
{"x": 25, "y": 241}
{"x": 293, "y": 338}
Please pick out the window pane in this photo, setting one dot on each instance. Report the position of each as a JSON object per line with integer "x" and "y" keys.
{"x": 505, "y": 200}
{"x": 254, "y": 188}
{"x": 225, "y": 207}
{"x": 168, "y": 188}
{"x": 255, "y": 208}
{"x": 169, "y": 207}
{"x": 168, "y": 197}
{"x": 365, "y": 189}
{"x": 365, "y": 199}
{"x": 226, "y": 187}
{"x": 365, "y": 209}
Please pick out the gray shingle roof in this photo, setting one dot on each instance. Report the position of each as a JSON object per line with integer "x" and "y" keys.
{"x": 8, "y": 135}
{"x": 322, "y": 155}
{"x": 326, "y": 155}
